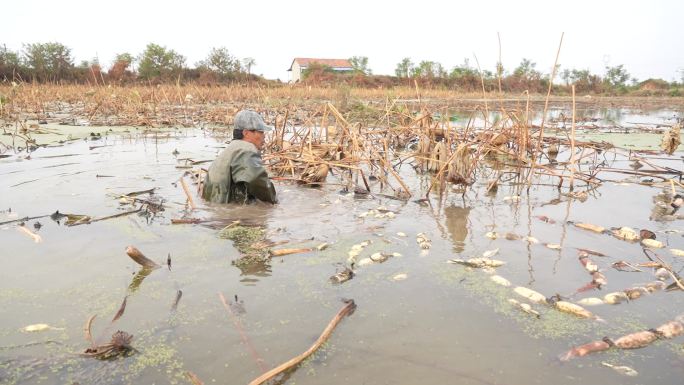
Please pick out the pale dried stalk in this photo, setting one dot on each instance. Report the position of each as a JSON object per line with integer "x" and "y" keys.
{"x": 187, "y": 193}
{"x": 346, "y": 309}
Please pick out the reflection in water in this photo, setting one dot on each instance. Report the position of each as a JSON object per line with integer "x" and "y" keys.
{"x": 250, "y": 240}
{"x": 138, "y": 278}
{"x": 456, "y": 219}
{"x": 249, "y": 271}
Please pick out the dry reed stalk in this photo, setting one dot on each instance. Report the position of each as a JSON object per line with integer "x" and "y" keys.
{"x": 347, "y": 309}
{"x": 282, "y": 252}
{"x": 396, "y": 176}
{"x": 140, "y": 258}
{"x": 548, "y": 95}
{"x": 36, "y": 238}
{"x": 572, "y": 142}
{"x": 187, "y": 193}
{"x": 484, "y": 93}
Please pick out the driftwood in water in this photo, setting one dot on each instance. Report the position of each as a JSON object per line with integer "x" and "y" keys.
{"x": 121, "y": 310}
{"x": 137, "y": 256}
{"x": 191, "y": 202}
{"x": 36, "y": 238}
{"x": 281, "y": 252}
{"x": 194, "y": 380}
{"x": 347, "y": 309}
{"x": 88, "y": 220}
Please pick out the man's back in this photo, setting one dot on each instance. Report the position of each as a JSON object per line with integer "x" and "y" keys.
{"x": 237, "y": 175}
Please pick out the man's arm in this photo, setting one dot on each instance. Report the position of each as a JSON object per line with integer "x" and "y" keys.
{"x": 248, "y": 169}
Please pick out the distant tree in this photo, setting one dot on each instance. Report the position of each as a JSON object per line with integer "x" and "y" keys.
{"x": 248, "y": 62}
{"x": 221, "y": 62}
{"x": 48, "y": 61}
{"x": 617, "y": 76}
{"x": 10, "y": 64}
{"x": 565, "y": 75}
{"x": 157, "y": 62}
{"x": 124, "y": 58}
{"x": 120, "y": 69}
{"x": 428, "y": 69}
{"x": 463, "y": 70}
{"x": 585, "y": 81}
{"x": 526, "y": 70}
{"x": 404, "y": 68}
{"x": 499, "y": 69}
{"x": 360, "y": 64}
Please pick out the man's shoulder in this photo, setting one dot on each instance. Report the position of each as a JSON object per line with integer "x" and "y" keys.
{"x": 241, "y": 145}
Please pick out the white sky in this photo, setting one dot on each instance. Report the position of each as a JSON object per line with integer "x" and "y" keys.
{"x": 646, "y": 36}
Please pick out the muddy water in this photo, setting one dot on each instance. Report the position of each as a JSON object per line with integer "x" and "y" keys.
{"x": 442, "y": 324}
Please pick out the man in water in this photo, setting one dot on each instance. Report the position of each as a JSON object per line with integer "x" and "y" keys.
{"x": 238, "y": 175}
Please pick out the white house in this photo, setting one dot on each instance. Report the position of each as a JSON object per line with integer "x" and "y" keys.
{"x": 299, "y": 64}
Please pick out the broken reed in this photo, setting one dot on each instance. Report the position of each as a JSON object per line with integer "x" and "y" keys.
{"x": 327, "y": 141}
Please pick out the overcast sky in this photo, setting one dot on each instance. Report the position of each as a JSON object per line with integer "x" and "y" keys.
{"x": 646, "y": 36}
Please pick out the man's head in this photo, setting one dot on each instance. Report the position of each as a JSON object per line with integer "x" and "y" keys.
{"x": 252, "y": 127}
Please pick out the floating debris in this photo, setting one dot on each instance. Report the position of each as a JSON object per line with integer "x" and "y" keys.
{"x": 615, "y": 298}
{"x": 636, "y": 340}
{"x": 625, "y": 266}
{"x": 583, "y": 350}
{"x": 365, "y": 262}
{"x": 343, "y": 275}
{"x": 490, "y": 253}
{"x": 636, "y": 292}
{"x": 140, "y": 258}
{"x": 281, "y": 252}
{"x": 626, "y": 234}
{"x": 512, "y": 236}
{"x": 423, "y": 241}
{"x": 399, "y": 277}
{"x": 524, "y": 307}
{"x": 570, "y": 308}
{"x": 118, "y": 345}
{"x": 590, "y": 301}
{"x": 670, "y": 329}
{"x": 588, "y": 264}
{"x": 38, "y": 328}
{"x": 499, "y": 280}
{"x": 36, "y": 238}
{"x": 532, "y": 240}
{"x": 401, "y": 234}
{"x": 530, "y": 294}
{"x": 677, "y": 252}
{"x": 546, "y": 219}
{"x": 652, "y": 243}
{"x": 553, "y": 246}
{"x": 380, "y": 257}
{"x": 356, "y": 250}
{"x": 322, "y": 246}
{"x": 512, "y": 198}
{"x": 590, "y": 227}
{"x": 626, "y": 370}
{"x": 598, "y": 279}
{"x": 492, "y": 235}
{"x": 478, "y": 262}
{"x": 646, "y": 234}
{"x": 655, "y": 286}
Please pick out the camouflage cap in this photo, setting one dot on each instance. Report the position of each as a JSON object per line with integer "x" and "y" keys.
{"x": 250, "y": 120}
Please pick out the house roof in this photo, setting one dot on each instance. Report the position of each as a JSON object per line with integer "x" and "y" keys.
{"x": 334, "y": 63}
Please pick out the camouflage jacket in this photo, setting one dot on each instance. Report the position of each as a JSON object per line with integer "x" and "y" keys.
{"x": 238, "y": 175}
